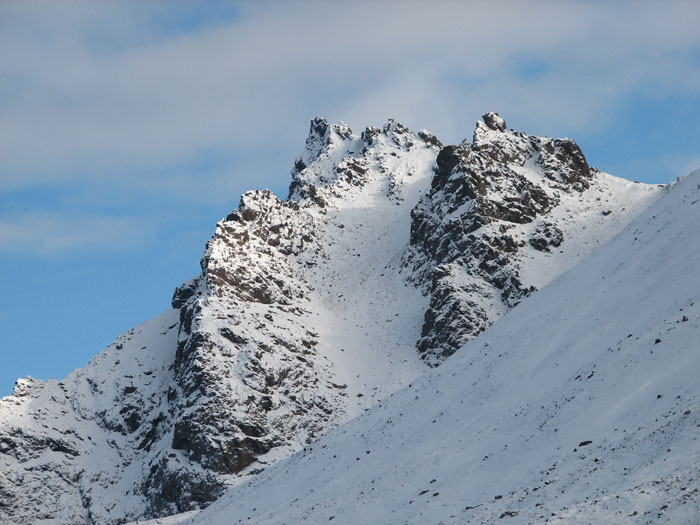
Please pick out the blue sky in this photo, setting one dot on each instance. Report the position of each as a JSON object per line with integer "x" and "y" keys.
{"x": 127, "y": 129}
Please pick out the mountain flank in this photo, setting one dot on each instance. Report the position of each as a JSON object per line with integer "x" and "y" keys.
{"x": 391, "y": 252}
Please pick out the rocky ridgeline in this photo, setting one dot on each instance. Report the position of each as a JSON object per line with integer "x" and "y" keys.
{"x": 247, "y": 377}
{"x": 233, "y": 377}
{"x": 469, "y": 233}
{"x": 335, "y": 162}
{"x": 247, "y": 374}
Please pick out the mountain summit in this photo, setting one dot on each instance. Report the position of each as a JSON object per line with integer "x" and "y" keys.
{"x": 390, "y": 253}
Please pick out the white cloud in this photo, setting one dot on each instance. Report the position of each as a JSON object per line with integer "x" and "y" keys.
{"x": 260, "y": 78}
{"x": 111, "y": 96}
{"x": 44, "y": 233}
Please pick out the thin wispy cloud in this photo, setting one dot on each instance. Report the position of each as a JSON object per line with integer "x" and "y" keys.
{"x": 120, "y": 95}
{"x": 257, "y": 78}
{"x": 48, "y": 234}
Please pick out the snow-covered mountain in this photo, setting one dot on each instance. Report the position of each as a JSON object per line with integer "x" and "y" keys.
{"x": 582, "y": 405}
{"x": 389, "y": 254}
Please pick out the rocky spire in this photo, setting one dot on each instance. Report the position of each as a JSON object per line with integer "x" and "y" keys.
{"x": 494, "y": 122}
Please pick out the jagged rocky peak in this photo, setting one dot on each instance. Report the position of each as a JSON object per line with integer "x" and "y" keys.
{"x": 242, "y": 258}
{"x": 323, "y": 137}
{"x": 242, "y": 358}
{"x": 253, "y": 204}
{"x": 489, "y": 210}
{"x": 335, "y": 160}
{"x": 494, "y": 121}
{"x": 561, "y": 160}
{"x": 502, "y": 176}
{"x": 306, "y": 312}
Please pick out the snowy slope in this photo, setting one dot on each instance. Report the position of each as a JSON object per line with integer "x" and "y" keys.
{"x": 69, "y": 450}
{"x": 581, "y": 405}
{"x": 390, "y": 253}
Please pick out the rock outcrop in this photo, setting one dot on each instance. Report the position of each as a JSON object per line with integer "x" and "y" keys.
{"x": 489, "y": 199}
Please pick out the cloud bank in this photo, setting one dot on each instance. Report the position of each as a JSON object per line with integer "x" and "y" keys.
{"x": 169, "y": 98}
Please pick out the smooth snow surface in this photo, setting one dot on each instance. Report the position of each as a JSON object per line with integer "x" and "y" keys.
{"x": 579, "y": 406}
{"x": 368, "y": 316}
{"x": 169, "y": 520}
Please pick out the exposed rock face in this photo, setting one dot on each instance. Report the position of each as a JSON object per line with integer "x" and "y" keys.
{"x": 467, "y": 234}
{"x": 307, "y": 311}
{"x": 235, "y": 367}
